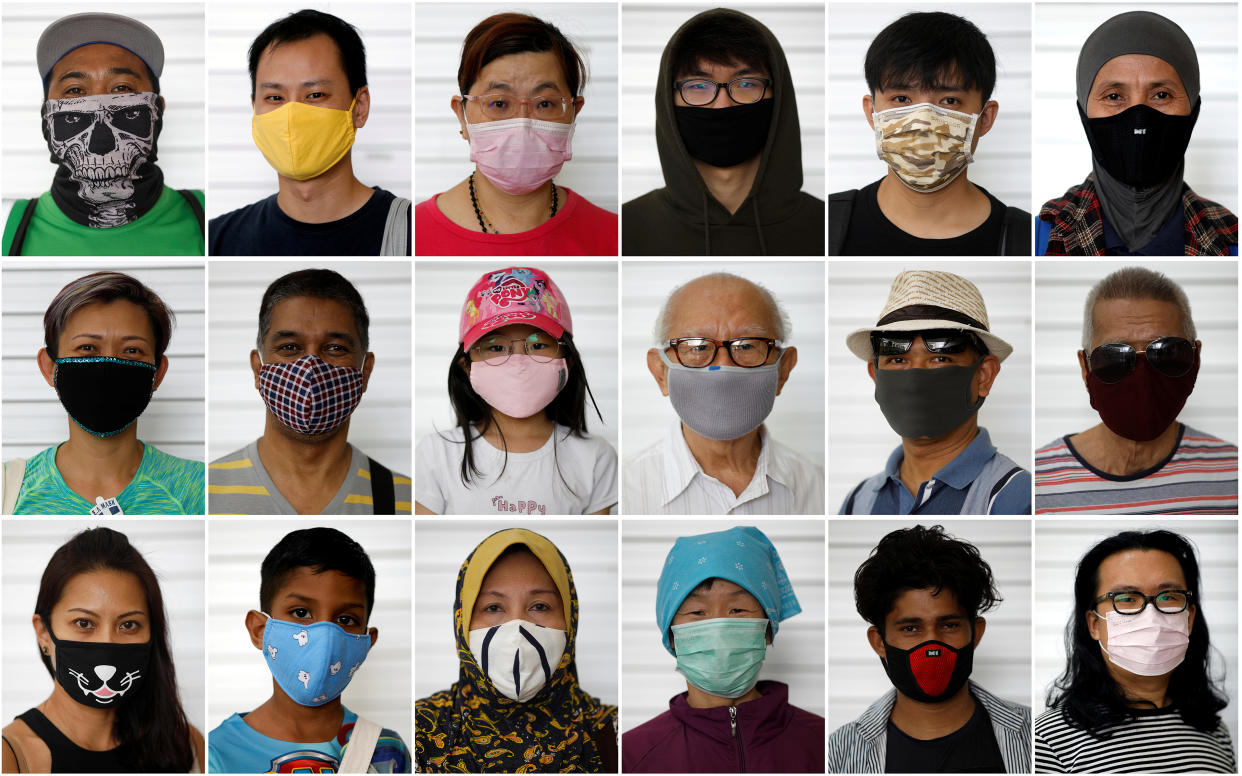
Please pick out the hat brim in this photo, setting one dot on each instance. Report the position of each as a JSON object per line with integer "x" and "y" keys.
{"x": 859, "y": 341}
{"x": 528, "y": 317}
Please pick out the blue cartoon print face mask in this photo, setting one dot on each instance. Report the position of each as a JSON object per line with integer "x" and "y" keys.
{"x": 312, "y": 663}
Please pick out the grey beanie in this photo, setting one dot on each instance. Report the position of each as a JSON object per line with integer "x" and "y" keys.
{"x": 1138, "y": 32}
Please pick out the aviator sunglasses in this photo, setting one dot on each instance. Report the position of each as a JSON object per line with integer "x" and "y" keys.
{"x": 1170, "y": 356}
{"x": 897, "y": 343}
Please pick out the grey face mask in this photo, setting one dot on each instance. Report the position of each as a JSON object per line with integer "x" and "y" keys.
{"x": 926, "y": 402}
{"x": 722, "y": 402}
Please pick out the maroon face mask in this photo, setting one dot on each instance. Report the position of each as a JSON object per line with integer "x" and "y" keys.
{"x": 1144, "y": 403}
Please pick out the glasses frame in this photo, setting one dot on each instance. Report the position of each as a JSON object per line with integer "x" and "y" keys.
{"x": 478, "y": 98}
{"x": 560, "y": 346}
{"x": 1147, "y": 599}
{"x": 1131, "y": 357}
{"x": 728, "y": 86}
{"x": 773, "y": 344}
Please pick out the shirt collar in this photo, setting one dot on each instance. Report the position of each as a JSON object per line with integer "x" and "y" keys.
{"x": 958, "y": 473}
{"x": 680, "y": 466}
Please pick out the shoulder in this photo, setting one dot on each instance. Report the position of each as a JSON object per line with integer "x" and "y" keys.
{"x": 1076, "y": 196}
{"x": 238, "y": 459}
{"x": 1193, "y": 436}
{"x": 650, "y": 458}
{"x": 23, "y": 746}
{"x": 593, "y": 444}
{"x": 1050, "y": 720}
{"x": 588, "y": 210}
{"x": 243, "y": 214}
{"x": 1055, "y": 447}
{"x": 644, "y": 739}
{"x": 227, "y": 232}
{"x": 794, "y": 460}
{"x": 171, "y": 463}
{"x": 644, "y": 204}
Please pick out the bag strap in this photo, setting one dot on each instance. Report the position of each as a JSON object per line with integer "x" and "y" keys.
{"x": 195, "y": 206}
{"x": 14, "y": 474}
{"x": 396, "y": 240}
{"x": 360, "y": 747}
{"x": 19, "y": 236}
{"x": 840, "y": 206}
{"x": 383, "y": 494}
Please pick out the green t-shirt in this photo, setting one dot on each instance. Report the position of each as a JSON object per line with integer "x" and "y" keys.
{"x": 168, "y": 229}
{"x": 164, "y": 485}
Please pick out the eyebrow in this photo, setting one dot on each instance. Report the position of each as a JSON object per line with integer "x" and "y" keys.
{"x": 96, "y": 614}
{"x": 309, "y": 600}
{"x": 741, "y": 71}
{"x": 340, "y": 335}
{"x": 940, "y": 618}
{"x": 311, "y": 82}
{"x": 536, "y": 591}
{"x": 1137, "y": 589}
{"x": 126, "y": 338}
{"x": 932, "y": 87}
{"x": 110, "y": 71}
{"x": 1149, "y": 85}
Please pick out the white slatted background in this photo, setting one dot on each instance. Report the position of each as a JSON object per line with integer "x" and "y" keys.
{"x": 797, "y": 419}
{"x": 1062, "y": 157}
{"x": 1003, "y": 658}
{"x": 861, "y": 439}
{"x": 1060, "y": 544}
{"x": 590, "y": 289}
{"x": 378, "y": 426}
{"x": 795, "y": 656}
{"x": 238, "y": 173}
{"x": 1002, "y": 160}
{"x": 238, "y": 675}
{"x": 27, "y": 170}
{"x": 35, "y": 419}
{"x": 590, "y": 547}
{"x": 647, "y": 28}
{"x": 1061, "y": 403}
{"x": 443, "y": 158}
{"x": 173, "y": 547}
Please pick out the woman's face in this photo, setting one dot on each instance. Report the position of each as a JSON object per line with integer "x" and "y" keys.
{"x": 1141, "y": 571}
{"x": 103, "y": 606}
{"x": 117, "y": 329}
{"x": 536, "y": 76}
{"x": 518, "y": 587}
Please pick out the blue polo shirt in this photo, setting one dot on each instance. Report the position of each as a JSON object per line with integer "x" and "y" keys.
{"x": 945, "y": 492}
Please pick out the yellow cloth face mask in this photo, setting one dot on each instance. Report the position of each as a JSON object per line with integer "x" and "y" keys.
{"x": 303, "y": 141}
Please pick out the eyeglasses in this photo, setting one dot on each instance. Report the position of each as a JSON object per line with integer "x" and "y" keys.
{"x": 1131, "y": 602}
{"x": 494, "y": 351}
{"x": 702, "y": 91}
{"x": 896, "y": 343}
{"x": 502, "y": 105}
{"x": 698, "y": 352}
{"x": 1170, "y": 356}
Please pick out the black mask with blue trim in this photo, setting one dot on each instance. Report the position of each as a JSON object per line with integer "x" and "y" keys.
{"x": 104, "y": 395}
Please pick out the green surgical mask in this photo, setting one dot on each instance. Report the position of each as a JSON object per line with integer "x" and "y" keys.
{"x": 723, "y": 656}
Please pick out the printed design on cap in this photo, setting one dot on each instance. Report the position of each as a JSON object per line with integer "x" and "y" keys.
{"x": 104, "y": 693}
{"x": 310, "y": 395}
{"x": 932, "y": 666}
{"x": 515, "y": 295}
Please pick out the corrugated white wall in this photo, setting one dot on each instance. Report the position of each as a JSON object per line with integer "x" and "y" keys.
{"x": 27, "y": 171}
{"x": 646, "y": 29}
{"x": 796, "y": 656}
{"x": 378, "y": 426}
{"x": 1003, "y": 159}
{"x": 797, "y": 419}
{"x": 173, "y": 547}
{"x": 237, "y": 673}
{"x": 1062, "y": 157}
{"x": 441, "y": 547}
{"x": 1061, "y": 403}
{"x": 1003, "y": 659}
{"x": 1060, "y": 544}
{"x": 443, "y": 158}
{"x": 238, "y": 173}
{"x": 35, "y": 419}
{"x": 860, "y": 437}
{"x": 590, "y": 289}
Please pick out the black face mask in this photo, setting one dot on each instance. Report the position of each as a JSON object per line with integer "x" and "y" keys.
{"x": 1141, "y": 147}
{"x": 104, "y": 395}
{"x": 724, "y": 137}
{"x": 931, "y": 672}
{"x": 100, "y": 675}
{"x": 932, "y": 402}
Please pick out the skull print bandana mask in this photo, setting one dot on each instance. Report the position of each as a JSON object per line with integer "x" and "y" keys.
{"x": 310, "y": 395}
{"x": 927, "y": 146}
{"x": 103, "y": 146}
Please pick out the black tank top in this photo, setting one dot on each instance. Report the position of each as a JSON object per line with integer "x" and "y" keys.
{"x": 68, "y": 757}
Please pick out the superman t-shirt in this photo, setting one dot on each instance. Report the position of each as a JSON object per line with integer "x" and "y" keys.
{"x": 235, "y": 747}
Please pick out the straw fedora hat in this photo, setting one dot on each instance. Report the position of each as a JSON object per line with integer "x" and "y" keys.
{"x": 924, "y": 299}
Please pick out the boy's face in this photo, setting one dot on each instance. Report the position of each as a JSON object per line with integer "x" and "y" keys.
{"x": 948, "y": 92}
{"x": 306, "y": 598}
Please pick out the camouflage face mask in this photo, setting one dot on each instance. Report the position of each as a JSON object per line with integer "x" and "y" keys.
{"x": 927, "y": 146}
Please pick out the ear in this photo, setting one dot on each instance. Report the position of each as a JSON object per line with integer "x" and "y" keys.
{"x": 1190, "y": 623}
{"x": 578, "y": 103}
{"x": 658, "y": 370}
{"x": 374, "y": 633}
{"x": 871, "y": 370}
{"x": 160, "y": 102}
{"x": 986, "y": 374}
{"x": 46, "y": 366}
{"x": 160, "y": 371}
{"x": 255, "y": 624}
{"x": 868, "y": 106}
{"x": 1082, "y": 365}
{"x": 980, "y": 626}
{"x": 255, "y": 364}
{"x": 876, "y": 641}
{"x": 788, "y": 362}
{"x": 43, "y": 639}
{"x": 1095, "y": 626}
{"x": 464, "y": 363}
{"x": 459, "y": 110}
{"x": 362, "y": 107}
{"x": 987, "y": 117}
{"x": 368, "y": 364}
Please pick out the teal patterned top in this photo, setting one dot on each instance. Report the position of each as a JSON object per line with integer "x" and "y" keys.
{"x": 163, "y": 485}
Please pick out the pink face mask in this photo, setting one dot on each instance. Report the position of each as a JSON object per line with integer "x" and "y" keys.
{"x": 520, "y": 155}
{"x": 521, "y": 386}
{"x": 1150, "y": 643}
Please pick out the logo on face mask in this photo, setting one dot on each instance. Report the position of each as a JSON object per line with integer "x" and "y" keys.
{"x": 930, "y": 672}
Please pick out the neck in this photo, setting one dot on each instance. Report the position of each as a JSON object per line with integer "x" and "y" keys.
{"x": 949, "y": 212}
{"x": 729, "y": 185}
{"x": 88, "y": 727}
{"x": 520, "y": 435}
{"x": 513, "y": 213}
{"x": 298, "y": 723}
{"x": 697, "y": 699}
{"x": 1117, "y": 455}
{"x": 285, "y": 451}
{"x": 926, "y": 721}
{"x": 720, "y": 458}
{"x": 86, "y": 457}
{"x": 1141, "y": 691}
{"x": 922, "y": 458}
{"x": 328, "y": 197}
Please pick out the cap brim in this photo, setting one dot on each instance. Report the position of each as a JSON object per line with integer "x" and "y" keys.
{"x": 528, "y": 317}
{"x": 859, "y": 341}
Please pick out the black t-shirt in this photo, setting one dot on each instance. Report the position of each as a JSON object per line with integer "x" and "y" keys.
{"x": 972, "y": 748}
{"x": 870, "y": 233}
{"x": 263, "y": 229}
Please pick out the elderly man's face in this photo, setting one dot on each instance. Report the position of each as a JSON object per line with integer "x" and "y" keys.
{"x": 1137, "y": 79}
{"x": 1134, "y": 322}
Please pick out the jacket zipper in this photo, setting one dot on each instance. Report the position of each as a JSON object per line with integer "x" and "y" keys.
{"x": 741, "y": 758}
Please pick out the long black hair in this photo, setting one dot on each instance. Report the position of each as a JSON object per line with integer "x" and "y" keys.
{"x": 567, "y": 409}
{"x": 1090, "y": 699}
{"x": 151, "y": 727}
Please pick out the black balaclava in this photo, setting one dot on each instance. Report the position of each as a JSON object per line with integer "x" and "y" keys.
{"x": 1138, "y": 207}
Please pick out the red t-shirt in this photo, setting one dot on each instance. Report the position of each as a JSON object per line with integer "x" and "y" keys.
{"x": 578, "y": 229}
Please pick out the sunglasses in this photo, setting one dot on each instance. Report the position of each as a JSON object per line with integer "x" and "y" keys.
{"x": 1170, "y": 356}
{"x": 896, "y": 343}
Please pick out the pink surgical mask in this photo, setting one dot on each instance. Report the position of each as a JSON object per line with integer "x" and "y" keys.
{"x": 521, "y": 386}
{"x": 520, "y": 155}
{"x": 1150, "y": 643}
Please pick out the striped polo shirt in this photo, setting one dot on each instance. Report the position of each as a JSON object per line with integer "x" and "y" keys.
{"x": 1200, "y": 477}
{"x": 237, "y": 484}
{"x": 1154, "y": 741}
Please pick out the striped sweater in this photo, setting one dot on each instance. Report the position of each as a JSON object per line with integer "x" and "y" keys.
{"x": 1154, "y": 741}
{"x": 1199, "y": 477}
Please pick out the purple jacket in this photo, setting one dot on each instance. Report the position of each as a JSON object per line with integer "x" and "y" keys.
{"x": 766, "y": 735}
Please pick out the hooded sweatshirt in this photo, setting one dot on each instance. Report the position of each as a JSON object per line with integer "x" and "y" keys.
{"x": 776, "y": 219}
{"x": 472, "y": 728}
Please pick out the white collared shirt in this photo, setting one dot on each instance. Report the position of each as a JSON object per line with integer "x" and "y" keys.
{"x": 665, "y": 479}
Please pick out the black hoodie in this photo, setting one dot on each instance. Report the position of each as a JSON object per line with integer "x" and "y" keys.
{"x": 776, "y": 219}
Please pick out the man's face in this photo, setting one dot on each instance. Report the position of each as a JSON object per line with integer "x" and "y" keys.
{"x": 1134, "y": 322}
{"x": 919, "y": 357}
{"x": 308, "y": 71}
{"x": 702, "y": 79}
{"x": 926, "y": 615}
{"x": 1137, "y": 79}
{"x": 1140, "y": 571}
{"x": 948, "y": 93}
{"x": 98, "y": 68}
{"x": 308, "y": 325}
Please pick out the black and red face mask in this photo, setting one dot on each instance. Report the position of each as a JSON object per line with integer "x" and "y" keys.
{"x": 931, "y": 672}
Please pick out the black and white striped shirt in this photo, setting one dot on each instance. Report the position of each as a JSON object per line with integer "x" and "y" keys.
{"x": 1155, "y": 741}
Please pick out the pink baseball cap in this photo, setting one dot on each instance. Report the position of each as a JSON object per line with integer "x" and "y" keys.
{"x": 513, "y": 295}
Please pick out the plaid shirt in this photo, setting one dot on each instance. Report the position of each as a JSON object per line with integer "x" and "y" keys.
{"x": 1078, "y": 228}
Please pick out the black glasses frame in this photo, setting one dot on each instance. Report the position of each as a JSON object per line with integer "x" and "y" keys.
{"x": 728, "y": 86}
{"x": 1127, "y": 356}
{"x": 773, "y": 344}
{"x": 1147, "y": 599}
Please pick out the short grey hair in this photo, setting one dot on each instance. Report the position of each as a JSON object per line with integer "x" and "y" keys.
{"x": 784, "y": 326}
{"x": 1135, "y": 283}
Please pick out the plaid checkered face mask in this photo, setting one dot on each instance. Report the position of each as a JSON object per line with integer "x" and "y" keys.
{"x": 310, "y": 395}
